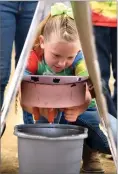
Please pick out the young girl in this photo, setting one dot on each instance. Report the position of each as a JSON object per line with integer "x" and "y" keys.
{"x": 57, "y": 51}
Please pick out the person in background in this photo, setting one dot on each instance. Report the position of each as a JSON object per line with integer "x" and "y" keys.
{"x": 15, "y": 20}
{"x": 105, "y": 31}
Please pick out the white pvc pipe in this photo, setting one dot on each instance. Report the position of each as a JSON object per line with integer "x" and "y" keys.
{"x": 82, "y": 17}
{"x": 17, "y": 77}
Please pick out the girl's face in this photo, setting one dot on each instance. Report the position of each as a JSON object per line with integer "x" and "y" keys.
{"x": 60, "y": 54}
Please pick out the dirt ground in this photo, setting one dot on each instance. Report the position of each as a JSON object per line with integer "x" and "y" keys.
{"x": 9, "y": 154}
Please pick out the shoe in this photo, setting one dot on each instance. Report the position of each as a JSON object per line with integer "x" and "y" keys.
{"x": 91, "y": 161}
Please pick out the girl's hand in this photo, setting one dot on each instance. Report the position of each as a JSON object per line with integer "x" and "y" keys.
{"x": 72, "y": 113}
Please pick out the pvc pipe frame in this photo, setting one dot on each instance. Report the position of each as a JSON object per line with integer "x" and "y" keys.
{"x": 17, "y": 77}
{"x": 83, "y": 22}
{"x": 85, "y": 30}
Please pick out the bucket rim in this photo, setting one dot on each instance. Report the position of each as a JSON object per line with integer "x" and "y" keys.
{"x": 44, "y": 125}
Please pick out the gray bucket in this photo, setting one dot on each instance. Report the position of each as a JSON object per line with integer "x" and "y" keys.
{"x": 50, "y": 148}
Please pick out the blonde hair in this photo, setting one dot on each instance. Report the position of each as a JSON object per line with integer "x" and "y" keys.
{"x": 62, "y": 26}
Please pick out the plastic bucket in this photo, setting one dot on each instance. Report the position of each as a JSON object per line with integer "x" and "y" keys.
{"x": 50, "y": 148}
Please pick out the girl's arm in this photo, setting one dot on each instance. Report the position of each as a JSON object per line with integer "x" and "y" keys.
{"x": 80, "y": 68}
{"x": 79, "y": 65}
{"x": 32, "y": 64}
{"x": 31, "y": 68}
